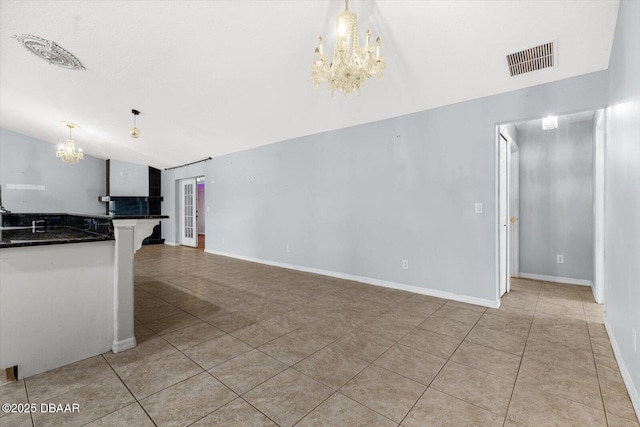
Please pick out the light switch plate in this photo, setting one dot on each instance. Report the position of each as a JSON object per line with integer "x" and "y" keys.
{"x": 478, "y": 208}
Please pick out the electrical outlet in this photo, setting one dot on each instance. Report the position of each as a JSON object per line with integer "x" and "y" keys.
{"x": 478, "y": 208}
{"x": 633, "y": 339}
{"x": 223, "y": 240}
{"x": 208, "y": 209}
{"x": 286, "y": 248}
{"x": 405, "y": 264}
{"x": 560, "y": 259}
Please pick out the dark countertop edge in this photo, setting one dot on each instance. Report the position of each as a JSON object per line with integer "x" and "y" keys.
{"x": 100, "y": 216}
{"x": 94, "y": 215}
{"x": 139, "y": 217}
{"x": 57, "y": 242}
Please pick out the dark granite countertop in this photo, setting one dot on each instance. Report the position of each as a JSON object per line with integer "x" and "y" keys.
{"x": 10, "y": 238}
{"x": 36, "y": 229}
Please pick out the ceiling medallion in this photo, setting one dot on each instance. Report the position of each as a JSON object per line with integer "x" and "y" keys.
{"x": 351, "y": 64}
{"x": 49, "y": 51}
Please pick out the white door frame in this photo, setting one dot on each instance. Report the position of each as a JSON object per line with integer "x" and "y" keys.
{"x": 188, "y": 205}
{"x": 496, "y": 154}
{"x": 514, "y": 209}
{"x": 599, "y": 141}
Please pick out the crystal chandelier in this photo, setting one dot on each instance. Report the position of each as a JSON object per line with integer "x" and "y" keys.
{"x": 351, "y": 64}
{"x": 67, "y": 152}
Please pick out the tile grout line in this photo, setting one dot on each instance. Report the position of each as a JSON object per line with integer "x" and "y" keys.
{"x": 524, "y": 349}
{"x": 442, "y": 367}
{"x": 26, "y": 390}
{"x": 595, "y": 364}
{"x": 130, "y": 392}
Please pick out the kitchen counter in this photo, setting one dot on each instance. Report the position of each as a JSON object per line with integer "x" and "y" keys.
{"x": 36, "y": 229}
{"x": 27, "y": 229}
{"x": 63, "y": 302}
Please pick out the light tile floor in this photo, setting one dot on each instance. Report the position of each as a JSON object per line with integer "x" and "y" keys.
{"x": 223, "y": 342}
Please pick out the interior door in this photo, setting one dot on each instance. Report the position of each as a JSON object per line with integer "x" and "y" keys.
{"x": 188, "y": 201}
{"x": 503, "y": 213}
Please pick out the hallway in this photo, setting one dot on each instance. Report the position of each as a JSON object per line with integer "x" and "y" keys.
{"x": 233, "y": 343}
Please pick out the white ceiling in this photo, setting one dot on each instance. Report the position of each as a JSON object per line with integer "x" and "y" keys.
{"x": 216, "y": 77}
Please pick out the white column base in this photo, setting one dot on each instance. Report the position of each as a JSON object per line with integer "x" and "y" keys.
{"x": 123, "y": 345}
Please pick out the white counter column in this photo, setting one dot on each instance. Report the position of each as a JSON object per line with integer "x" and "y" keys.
{"x": 129, "y": 235}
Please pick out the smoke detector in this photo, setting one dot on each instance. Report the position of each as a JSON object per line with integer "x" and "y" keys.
{"x": 134, "y": 131}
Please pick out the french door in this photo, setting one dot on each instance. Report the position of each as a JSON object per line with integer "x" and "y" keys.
{"x": 188, "y": 203}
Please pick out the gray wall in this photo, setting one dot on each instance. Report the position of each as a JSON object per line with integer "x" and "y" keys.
{"x": 556, "y": 200}
{"x": 67, "y": 188}
{"x": 360, "y": 200}
{"x": 622, "y": 195}
{"x": 128, "y": 179}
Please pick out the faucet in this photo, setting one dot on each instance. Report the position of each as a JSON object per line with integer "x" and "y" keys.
{"x": 2, "y": 209}
{"x": 34, "y": 225}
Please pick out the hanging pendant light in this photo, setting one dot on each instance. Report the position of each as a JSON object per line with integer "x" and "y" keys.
{"x": 351, "y": 64}
{"x": 67, "y": 152}
{"x": 134, "y": 131}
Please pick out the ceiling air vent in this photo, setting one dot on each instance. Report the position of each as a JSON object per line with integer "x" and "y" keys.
{"x": 535, "y": 58}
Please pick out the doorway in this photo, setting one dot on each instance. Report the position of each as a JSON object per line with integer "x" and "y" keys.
{"x": 549, "y": 198}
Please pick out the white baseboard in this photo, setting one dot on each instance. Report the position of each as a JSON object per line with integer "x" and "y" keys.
{"x": 123, "y": 345}
{"x": 634, "y": 394}
{"x": 371, "y": 281}
{"x": 567, "y": 280}
{"x": 166, "y": 242}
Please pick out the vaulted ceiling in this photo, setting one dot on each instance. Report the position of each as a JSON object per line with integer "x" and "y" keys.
{"x": 216, "y": 77}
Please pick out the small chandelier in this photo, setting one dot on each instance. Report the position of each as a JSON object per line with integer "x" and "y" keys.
{"x": 67, "y": 152}
{"x": 351, "y": 64}
{"x": 134, "y": 132}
